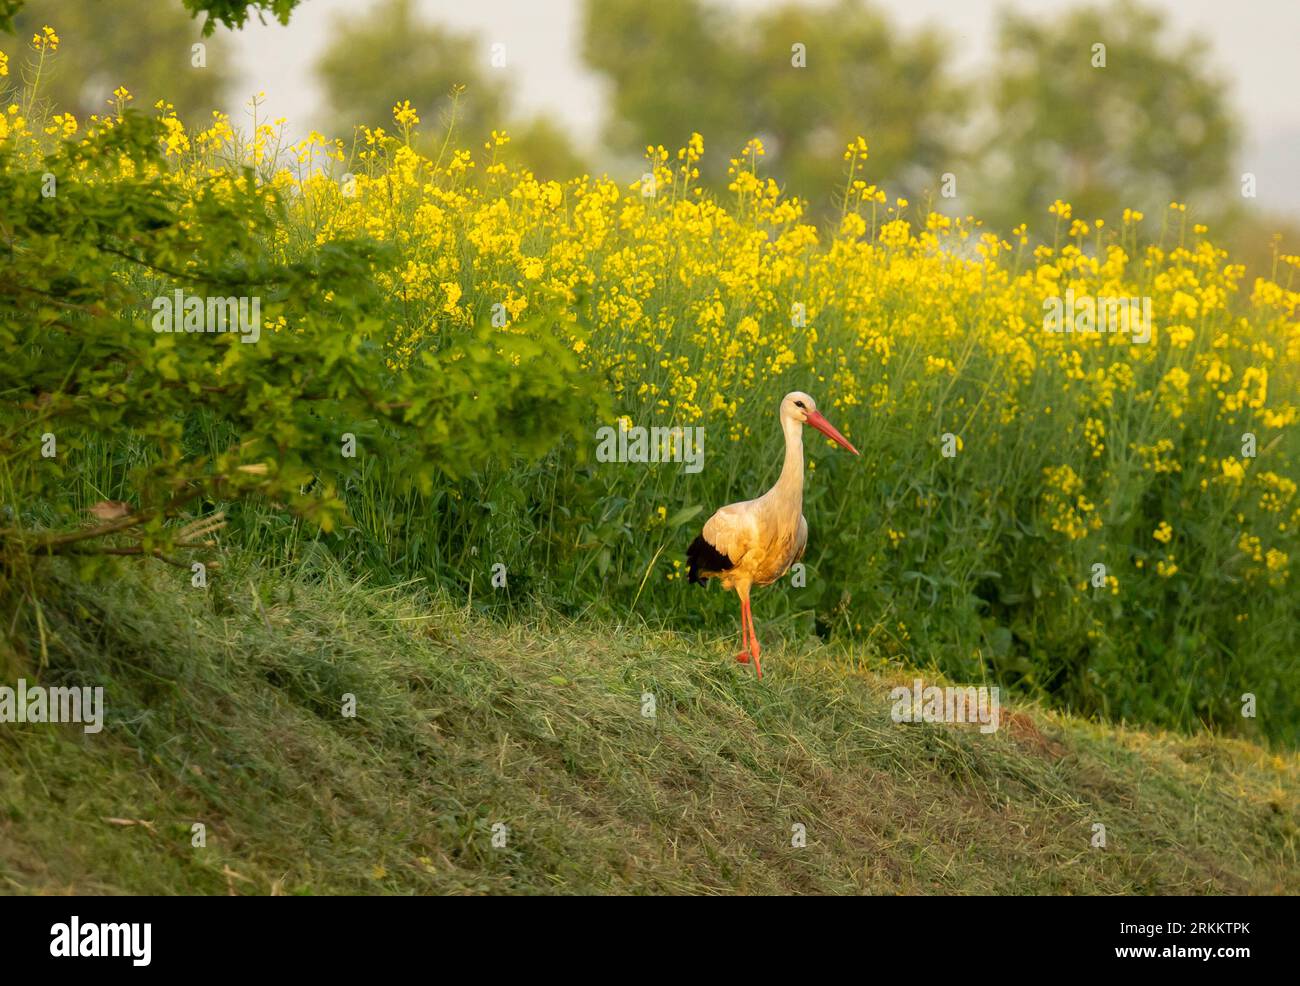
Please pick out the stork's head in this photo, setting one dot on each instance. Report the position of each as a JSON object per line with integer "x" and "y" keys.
{"x": 798, "y": 406}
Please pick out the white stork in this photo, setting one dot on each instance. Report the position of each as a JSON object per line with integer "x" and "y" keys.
{"x": 756, "y": 542}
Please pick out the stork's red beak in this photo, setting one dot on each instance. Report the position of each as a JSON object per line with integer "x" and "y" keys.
{"x": 826, "y": 428}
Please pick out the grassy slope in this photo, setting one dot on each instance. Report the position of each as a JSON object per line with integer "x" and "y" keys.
{"x": 226, "y": 712}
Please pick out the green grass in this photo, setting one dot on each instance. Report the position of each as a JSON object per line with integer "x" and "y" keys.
{"x": 226, "y": 711}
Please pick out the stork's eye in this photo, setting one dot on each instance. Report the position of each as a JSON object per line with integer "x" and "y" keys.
{"x": 799, "y": 404}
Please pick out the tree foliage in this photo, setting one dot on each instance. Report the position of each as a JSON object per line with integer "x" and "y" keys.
{"x": 93, "y": 232}
{"x": 1150, "y": 125}
{"x": 230, "y": 13}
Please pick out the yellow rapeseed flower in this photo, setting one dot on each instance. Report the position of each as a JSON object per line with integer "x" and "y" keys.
{"x": 45, "y": 39}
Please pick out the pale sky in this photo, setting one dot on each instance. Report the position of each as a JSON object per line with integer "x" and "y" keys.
{"x": 1253, "y": 44}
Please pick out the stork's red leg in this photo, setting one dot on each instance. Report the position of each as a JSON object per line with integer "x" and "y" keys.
{"x": 743, "y": 656}
{"x": 754, "y": 649}
{"x": 747, "y": 631}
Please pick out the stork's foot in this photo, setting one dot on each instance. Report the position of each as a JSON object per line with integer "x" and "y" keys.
{"x": 743, "y": 657}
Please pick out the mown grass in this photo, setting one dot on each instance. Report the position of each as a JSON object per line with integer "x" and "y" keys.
{"x": 225, "y": 709}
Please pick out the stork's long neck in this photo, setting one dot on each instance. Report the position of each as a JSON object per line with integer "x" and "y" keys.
{"x": 789, "y": 486}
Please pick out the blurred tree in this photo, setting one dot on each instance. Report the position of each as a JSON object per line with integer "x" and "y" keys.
{"x": 669, "y": 73}
{"x": 862, "y": 77}
{"x": 1147, "y": 126}
{"x": 141, "y": 44}
{"x": 1256, "y": 239}
{"x": 388, "y": 54}
{"x": 679, "y": 66}
{"x": 544, "y": 147}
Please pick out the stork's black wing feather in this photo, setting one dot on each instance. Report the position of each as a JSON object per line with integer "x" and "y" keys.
{"x": 704, "y": 557}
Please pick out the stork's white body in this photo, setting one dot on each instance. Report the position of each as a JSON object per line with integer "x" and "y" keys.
{"x": 766, "y": 535}
{"x": 756, "y": 541}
